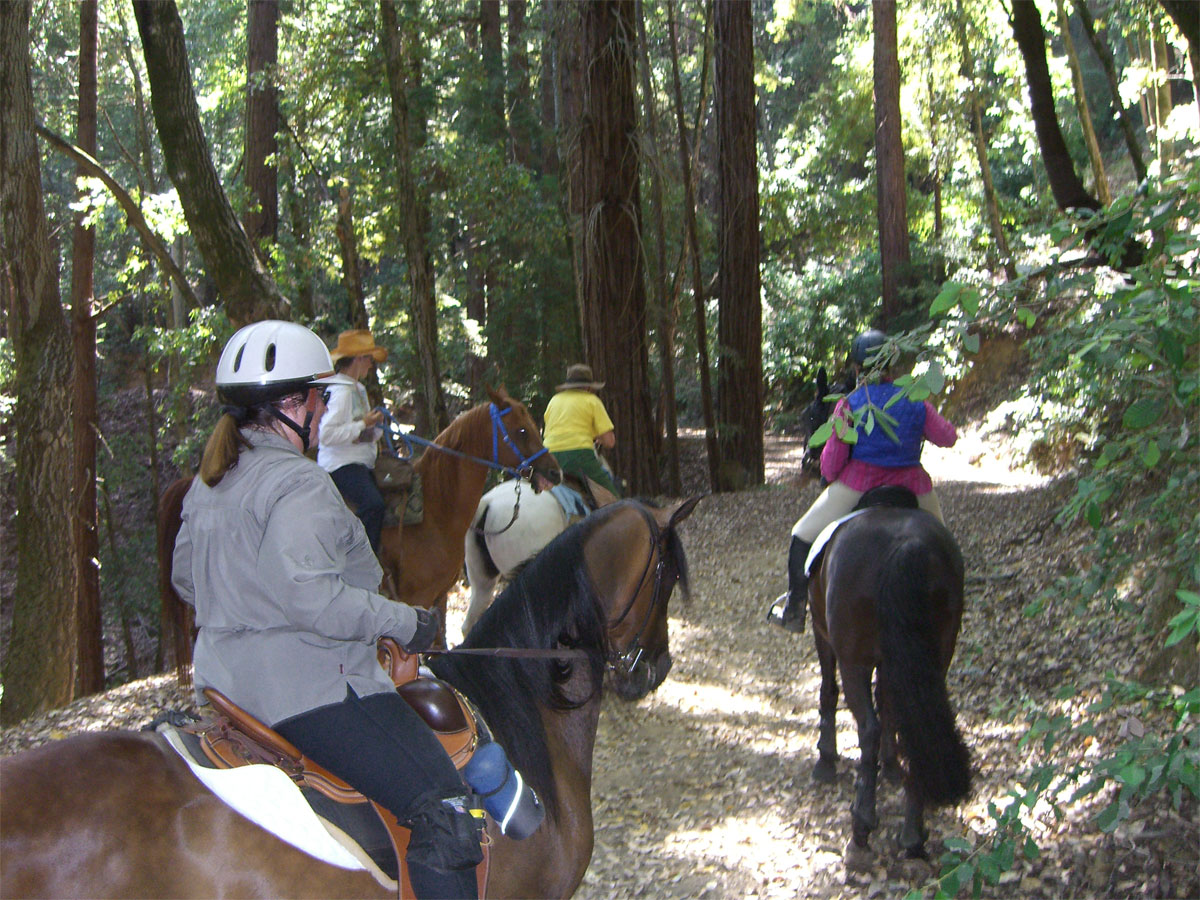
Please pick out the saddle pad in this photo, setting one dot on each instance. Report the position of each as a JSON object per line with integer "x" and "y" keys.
{"x": 570, "y": 500}
{"x": 823, "y": 539}
{"x": 271, "y": 800}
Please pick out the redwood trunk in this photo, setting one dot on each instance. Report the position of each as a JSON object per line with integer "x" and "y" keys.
{"x": 739, "y": 323}
{"x": 892, "y": 202}
{"x": 614, "y": 296}
{"x": 262, "y": 121}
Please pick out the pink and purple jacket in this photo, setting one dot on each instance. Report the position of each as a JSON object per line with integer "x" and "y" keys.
{"x": 838, "y": 464}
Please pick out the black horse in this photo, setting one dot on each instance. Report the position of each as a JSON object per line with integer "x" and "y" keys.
{"x": 817, "y": 413}
{"x": 887, "y": 598}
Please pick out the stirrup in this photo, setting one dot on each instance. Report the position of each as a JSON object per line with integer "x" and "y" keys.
{"x": 776, "y": 617}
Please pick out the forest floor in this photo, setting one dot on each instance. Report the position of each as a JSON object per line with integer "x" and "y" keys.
{"x": 704, "y": 788}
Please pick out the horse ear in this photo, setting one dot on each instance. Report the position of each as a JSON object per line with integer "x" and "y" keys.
{"x": 822, "y": 384}
{"x": 499, "y": 396}
{"x": 671, "y": 516}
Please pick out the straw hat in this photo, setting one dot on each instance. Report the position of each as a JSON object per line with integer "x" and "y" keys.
{"x": 579, "y": 378}
{"x": 358, "y": 343}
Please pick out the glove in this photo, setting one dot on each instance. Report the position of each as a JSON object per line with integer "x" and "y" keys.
{"x": 428, "y": 622}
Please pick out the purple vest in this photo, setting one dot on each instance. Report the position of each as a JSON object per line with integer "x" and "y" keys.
{"x": 877, "y": 447}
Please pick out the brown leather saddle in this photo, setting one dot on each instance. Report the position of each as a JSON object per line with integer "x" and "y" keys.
{"x": 233, "y": 738}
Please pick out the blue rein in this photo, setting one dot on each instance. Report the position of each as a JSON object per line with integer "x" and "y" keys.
{"x": 524, "y": 467}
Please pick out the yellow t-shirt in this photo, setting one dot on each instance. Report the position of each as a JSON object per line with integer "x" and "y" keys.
{"x": 574, "y": 419}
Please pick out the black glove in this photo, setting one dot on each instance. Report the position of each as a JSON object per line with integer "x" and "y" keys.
{"x": 428, "y": 622}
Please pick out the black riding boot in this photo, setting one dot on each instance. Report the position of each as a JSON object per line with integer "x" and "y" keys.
{"x": 789, "y": 610}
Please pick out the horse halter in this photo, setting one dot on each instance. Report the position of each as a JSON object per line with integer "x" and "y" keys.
{"x": 524, "y": 467}
{"x": 624, "y": 661}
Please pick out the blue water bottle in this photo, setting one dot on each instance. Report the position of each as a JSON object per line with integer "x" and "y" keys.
{"x": 506, "y": 796}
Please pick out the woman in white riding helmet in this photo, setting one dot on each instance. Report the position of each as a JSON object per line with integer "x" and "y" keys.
{"x": 286, "y": 590}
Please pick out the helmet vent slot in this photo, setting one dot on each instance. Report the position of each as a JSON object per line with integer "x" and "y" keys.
{"x": 237, "y": 360}
{"x": 269, "y": 360}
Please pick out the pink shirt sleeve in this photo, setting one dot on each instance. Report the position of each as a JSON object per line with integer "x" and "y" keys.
{"x": 836, "y": 452}
{"x": 937, "y": 429}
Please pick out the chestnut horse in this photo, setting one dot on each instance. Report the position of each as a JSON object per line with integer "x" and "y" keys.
{"x": 118, "y": 814}
{"x": 421, "y": 562}
{"x": 887, "y": 598}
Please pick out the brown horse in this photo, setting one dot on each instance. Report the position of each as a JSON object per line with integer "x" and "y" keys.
{"x": 887, "y": 597}
{"x": 118, "y": 814}
{"x": 421, "y": 562}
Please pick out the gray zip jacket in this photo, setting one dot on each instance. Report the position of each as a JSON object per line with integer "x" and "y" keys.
{"x": 285, "y": 586}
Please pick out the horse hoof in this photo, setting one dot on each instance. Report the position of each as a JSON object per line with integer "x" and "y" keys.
{"x": 824, "y": 771}
{"x": 916, "y": 869}
{"x": 859, "y": 859}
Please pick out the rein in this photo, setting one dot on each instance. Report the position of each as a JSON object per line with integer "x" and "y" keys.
{"x": 627, "y": 659}
{"x": 524, "y": 467}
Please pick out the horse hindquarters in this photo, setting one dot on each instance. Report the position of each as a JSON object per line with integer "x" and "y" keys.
{"x": 913, "y": 608}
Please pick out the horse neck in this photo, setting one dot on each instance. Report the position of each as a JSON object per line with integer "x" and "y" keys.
{"x": 446, "y": 477}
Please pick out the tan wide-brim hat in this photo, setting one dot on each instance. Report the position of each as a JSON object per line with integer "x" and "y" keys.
{"x": 357, "y": 343}
{"x": 580, "y": 378}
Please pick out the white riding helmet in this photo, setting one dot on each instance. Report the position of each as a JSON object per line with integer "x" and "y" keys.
{"x": 270, "y": 359}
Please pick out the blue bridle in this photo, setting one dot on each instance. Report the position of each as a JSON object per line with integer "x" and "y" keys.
{"x": 524, "y": 467}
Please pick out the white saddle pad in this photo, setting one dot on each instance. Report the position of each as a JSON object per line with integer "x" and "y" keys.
{"x": 823, "y": 539}
{"x": 271, "y": 800}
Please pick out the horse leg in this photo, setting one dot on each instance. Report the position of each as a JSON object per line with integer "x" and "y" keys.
{"x": 889, "y": 764}
{"x": 826, "y": 768}
{"x": 913, "y": 833}
{"x": 856, "y": 682}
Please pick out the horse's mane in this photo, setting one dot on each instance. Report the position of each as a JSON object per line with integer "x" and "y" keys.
{"x": 551, "y": 603}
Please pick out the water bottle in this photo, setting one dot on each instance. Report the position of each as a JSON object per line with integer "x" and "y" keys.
{"x": 506, "y": 796}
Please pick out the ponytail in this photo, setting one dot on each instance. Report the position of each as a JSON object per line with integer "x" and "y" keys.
{"x": 222, "y": 450}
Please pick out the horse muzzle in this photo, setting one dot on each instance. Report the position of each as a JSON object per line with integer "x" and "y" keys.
{"x": 643, "y": 677}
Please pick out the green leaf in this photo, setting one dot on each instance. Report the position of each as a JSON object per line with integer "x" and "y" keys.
{"x": 869, "y": 425}
{"x": 1032, "y": 850}
{"x": 1151, "y": 455}
{"x": 946, "y": 299}
{"x": 970, "y": 301}
{"x": 935, "y": 378}
{"x": 1026, "y": 316}
{"x": 1094, "y": 515}
{"x": 1110, "y": 817}
{"x": 971, "y": 343}
{"x": 1143, "y": 413}
{"x": 822, "y": 434}
{"x": 958, "y": 844}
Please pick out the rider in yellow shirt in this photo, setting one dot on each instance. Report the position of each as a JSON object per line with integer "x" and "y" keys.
{"x": 576, "y": 421}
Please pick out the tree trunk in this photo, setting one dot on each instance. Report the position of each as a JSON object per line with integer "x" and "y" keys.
{"x": 246, "y": 288}
{"x": 569, "y": 66}
{"x": 1081, "y": 104}
{"x": 401, "y": 40}
{"x": 262, "y": 121}
{"x": 739, "y": 322}
{"x": 90, "y": 663}
{"x": 1162, "y": 97}
{"x": 614, "y": 294}
{"x": 1110, "y": 71}
{"x": 351, "y": 267}
{"x": 520, "y": 101}
{"x": 39, "y": 665}
{"x": 1186, "y": 16}
{"x": 995, "y": 226}
{"x": 689, "y": 213}
{"x": 892, "y": 209}
{"x": 1068, "y": 190}
{"x": 666, "y": 304}
{"x": 492, "y": 129}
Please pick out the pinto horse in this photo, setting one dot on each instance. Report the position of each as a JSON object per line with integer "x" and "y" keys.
{"x": 421, "y": 562}
{"x": 119, "y": 814}
{"x": 887, "y": 598}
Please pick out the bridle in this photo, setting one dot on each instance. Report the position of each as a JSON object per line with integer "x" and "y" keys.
{"x": 624, "y": 661}
{"x": 523, "y": 469}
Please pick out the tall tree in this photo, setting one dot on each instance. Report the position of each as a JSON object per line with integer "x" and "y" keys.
{"x": 520, "y": 100}
{"x": 1082, "y": 106}
{"x": 262, "y": 121}
{"x": 892, "y": 204}
{"x": 613, "y": 278}
{"x": 247, "y": 289}
{"x": 1186, "y": 16}
{"x": 403, "y": 56}
{"x": 1065, "y": 184}
{"x": 712, "y": 447}
{"x": 1124, "y": 119}
{"x": 39, "y": 665}
{"x": 739, "y": 319}
{"x": 90, "y": 654}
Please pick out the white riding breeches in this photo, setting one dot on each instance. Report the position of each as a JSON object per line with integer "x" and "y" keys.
{"x": 837, "y": 500}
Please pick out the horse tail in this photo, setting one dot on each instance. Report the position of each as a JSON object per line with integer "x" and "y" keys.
{"x": 938, "y": 760}
{"x": 177, "y": 617}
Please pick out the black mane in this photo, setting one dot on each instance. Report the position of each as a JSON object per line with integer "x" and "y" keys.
{"x": 551, "y": 603}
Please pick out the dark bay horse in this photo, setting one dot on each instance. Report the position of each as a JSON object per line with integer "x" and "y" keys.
{"x": 817, "y": 414}
{"x": 887, "y": 599}
{"x": 118, "y": 814}
{"x": 421, "y": 562}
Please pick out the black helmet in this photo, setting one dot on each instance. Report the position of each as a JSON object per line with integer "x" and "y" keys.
{"x": 865, "y": 345}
